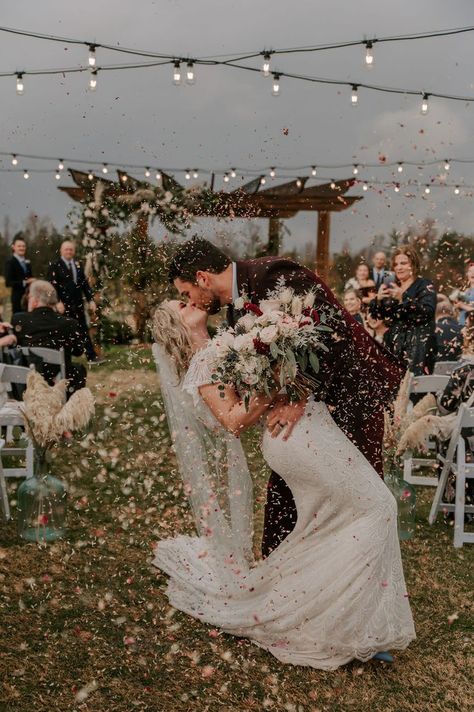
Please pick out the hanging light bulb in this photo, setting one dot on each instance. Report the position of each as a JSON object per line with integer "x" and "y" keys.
{"x": 20, "y": 87}
{"x": 266, "y": 65}
{"x": 272, "y": 173}
{"x": 195, "y": 173}
{"x": 424, "y": 104}
{"x": 60, "y": 165}
{"x": 190, "y": 77}
{"x": 447, "y": 165}
{"x": 158, "y": 175}
{"x": 90, "y": 175}
{"x": 233, "y": 173}
{"x": 105, "y": 168}
{"x": 299, "y": 182}
{"x": 226, "y": 178}
{"x": 427, "y": 189}
{"x": 355, "y": 170}
{"x": 354, "y": 95}
{"x": 369, "y": 57}
{"x": 14, "y": 160}
{"x": 397, "y": 187}
{"x": 147, "y": 173}
{"x": 92, "y": 58}
{"x": 263, "y": 180}
{"x": 400, "y": 168}
{"x": 276, "y": 85}
{"x": 333, "y": 184}
{"x": 187, "y": 175}
{"x": 456, "y": 190}
{"x": 26, "y": 175}
{"x": 124, "y": 178}
{"x": 177, "y": 73}
{"x": 93, "y": 80}
{"x": 313, "y": 170}
{"x": 57, "y": 175}
{"x": 365, "y": 186}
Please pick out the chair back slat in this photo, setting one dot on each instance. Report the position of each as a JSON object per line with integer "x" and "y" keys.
{"x": 428, "y": 384}
{"x": 466, "y": 417}
{"x": 14, "y": 374}
{"x": 445, "y": 368}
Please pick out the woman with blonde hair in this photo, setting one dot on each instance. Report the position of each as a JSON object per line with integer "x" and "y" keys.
{"x": 409, "y": 306}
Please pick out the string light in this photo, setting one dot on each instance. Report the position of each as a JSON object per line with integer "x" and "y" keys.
{"x": 299, "y": 182}
{"x": 93, "y": 80}
{"x": 354, "y": 95}
{"x": 427, "y": 190}
{"x": 233, "y": 173}
{"x": 266, "y": 65}
{"x": 226, "y": 178}
{"x": 20, "y": 87}
{"x": 456, "y": 190}
{"x": 313, "y": 170}
{"x": 147, "y": 173}
{"x": 124, "y": 178}
{"x": 105, "y": 168}
{"x": 26, "y": 175}
{"x": 190, "y": 77}
{"x": 187, "y": 175}
{"x": 14, "y": 160}
{"x": 365, "y": 186}
{"x": 58, "y": 175}
{"x": 272, "y": 173}
{"x": 158, "y": 175}
{"x": 195, "y": 173}
{"x": 90, "y": 175}
{"x": 263, "y": 180}
{"x": 397, "y": 187}
{"x": 60, "y": 165}
{"x": 177, "y": 73}
{"x": 333, "y": 184}
{"x": 447, "y": 165}
{"x": 424, "y": 104}
{"x": 355, "y": 170}
{"x": 276, "y": 85}
{"x": 92, "y": 57}
{"x": 369, "y": 57}
{"x": 400, "y": 168}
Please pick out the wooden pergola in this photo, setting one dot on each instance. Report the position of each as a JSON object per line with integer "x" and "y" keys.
{"x": 249, "y": 201}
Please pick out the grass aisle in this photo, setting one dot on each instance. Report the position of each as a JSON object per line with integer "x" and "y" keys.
{"x": 85, "y": 624}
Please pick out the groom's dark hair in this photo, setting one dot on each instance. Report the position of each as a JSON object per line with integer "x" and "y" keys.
{"x": 194, "y": 256}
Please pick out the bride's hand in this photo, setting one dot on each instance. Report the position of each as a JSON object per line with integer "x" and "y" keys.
{"x": 283, "y": 417}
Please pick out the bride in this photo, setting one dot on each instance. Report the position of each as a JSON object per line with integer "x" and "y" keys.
{"x": 334, "y": 589}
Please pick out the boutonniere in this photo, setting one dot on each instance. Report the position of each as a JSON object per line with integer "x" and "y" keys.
{"x": 240, "y": 302}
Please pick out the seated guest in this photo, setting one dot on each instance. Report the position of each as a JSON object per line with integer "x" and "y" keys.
{"x": 448, "y": 333}
{"x": 352, "y": 302}
{"x": 465, "y": 299}
{"x": 377, "y": 328}
{"x": 363, "y": 283}
{"x": 43, "y": 326}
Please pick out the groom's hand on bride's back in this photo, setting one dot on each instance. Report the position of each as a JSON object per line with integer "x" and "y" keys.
{"x": 283, "y": 416}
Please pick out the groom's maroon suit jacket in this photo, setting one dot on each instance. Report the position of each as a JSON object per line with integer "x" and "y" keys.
{"x": 358, "y": 377}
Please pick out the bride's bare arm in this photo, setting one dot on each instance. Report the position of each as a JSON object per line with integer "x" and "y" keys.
{"x": 230, "y": 410}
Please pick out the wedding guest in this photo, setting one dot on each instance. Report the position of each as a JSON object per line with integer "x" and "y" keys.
{"x": 466, "y": 304}
{"x": 363, "y": 283}
{"x": 68, "y": 278}
{"x": 18, "y": 273}
{"x": 448, "y": 333}
{"x": 377, "y": 328}
{"x": 353, "y": 304}
{"x": 409, "y": 305}
{"x": 43, "y": 326}
{"x": 7, "y": 338}
{"x": 379, "y": 272}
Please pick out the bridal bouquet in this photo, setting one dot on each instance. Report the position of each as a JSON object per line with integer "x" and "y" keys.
{"x": 275, "y": 343}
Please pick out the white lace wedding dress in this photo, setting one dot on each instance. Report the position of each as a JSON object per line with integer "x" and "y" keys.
{"x": 334, "y": 590}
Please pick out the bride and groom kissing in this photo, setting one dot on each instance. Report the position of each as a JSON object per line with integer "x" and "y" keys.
{"x": 330, "y": 586}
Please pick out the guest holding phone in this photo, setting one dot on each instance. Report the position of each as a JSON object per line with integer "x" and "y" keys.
{"x": 408, "y": 304}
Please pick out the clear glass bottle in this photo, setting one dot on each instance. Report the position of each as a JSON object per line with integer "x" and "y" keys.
{"x": 42, "y": 505}
{"x": 405, "y": 496}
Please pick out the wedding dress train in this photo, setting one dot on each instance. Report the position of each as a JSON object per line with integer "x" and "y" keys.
{"x": 334, "y": 590}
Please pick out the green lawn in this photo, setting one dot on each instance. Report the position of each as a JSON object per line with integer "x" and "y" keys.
{"x": 85, "y": 624}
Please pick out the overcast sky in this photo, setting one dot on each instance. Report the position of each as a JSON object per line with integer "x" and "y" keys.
{"x": 229, "y": 117}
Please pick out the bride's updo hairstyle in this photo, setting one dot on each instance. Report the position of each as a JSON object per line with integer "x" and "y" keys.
{"x": 170, "y": 332}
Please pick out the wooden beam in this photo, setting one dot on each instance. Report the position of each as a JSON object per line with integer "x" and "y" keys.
{"x": 273, "y": 247}
{"x": 322, "y": 246}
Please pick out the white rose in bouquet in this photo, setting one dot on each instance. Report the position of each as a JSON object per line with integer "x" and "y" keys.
{"x": 268, "y": 334}
{"x": 223, "y": 343}
{"x": 288, "y": 327}
{"x": 243, "y": 342}
{"x": 296, "y": 306}
{"x": 239, "y": 303}
{"x": 309, "y": 300}
{"x": 269, "y": 305}
{"x": 246, "y": 322}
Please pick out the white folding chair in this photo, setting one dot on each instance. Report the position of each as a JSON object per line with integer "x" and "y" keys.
{"x": 422, "y": 385}
{"x": 445, "y": 368}
{"x": 462, "y": 470}
{"x": 3, "y": 488}
{"x": 10, "y": 417}
{"x": 50, "y": 356}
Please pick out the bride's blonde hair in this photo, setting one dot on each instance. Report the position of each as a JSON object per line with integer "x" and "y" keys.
{"x": 171, "y": 332}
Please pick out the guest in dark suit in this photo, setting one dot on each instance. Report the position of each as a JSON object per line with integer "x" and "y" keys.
{"x": 353, "y": 303}
{"x": 379, "y": 273}
{"x": 18, "y": 273}
{"x": 42, "y": 326}
{"x": 358, "y": 377}
{"x": 68, "y": 278}
{"x": 448, "y": 333}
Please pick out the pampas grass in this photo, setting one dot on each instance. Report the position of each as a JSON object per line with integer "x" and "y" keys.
{"x": 46, "y": 415}
{"x": 414, "y": 437}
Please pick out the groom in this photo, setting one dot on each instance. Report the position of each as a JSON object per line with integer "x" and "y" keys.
{"x": 357, "y": 377}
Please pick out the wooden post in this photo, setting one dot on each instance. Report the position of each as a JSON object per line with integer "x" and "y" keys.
{"x": 322, "y": 246}
{"x": 273, "y": 247}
